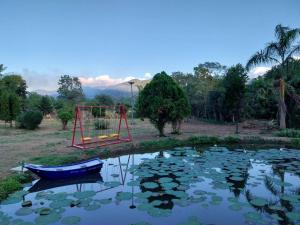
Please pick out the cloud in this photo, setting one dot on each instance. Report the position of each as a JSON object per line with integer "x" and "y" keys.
{"x": 258, "y": 71}
{"x": 40, "y": 80}
{"x": 297, "y": 57}
{"x": 107, "y": 80}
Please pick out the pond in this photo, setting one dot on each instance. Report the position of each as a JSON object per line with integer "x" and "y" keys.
{"x": 178, "y": 186}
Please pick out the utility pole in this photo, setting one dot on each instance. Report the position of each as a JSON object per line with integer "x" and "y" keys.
{"x": 131, "y": 83}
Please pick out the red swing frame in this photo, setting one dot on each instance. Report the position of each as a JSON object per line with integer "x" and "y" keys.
{"x": 95, "y": 142}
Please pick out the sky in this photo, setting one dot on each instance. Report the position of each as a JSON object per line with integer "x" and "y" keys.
{"x": 111, "y": 41}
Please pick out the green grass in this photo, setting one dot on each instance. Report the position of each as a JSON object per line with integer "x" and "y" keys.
{"x": 296, "y": 142}
{"x": 55, "y": 160}
{"x": 12, "y": 184}
{"x": 291, "y": 133}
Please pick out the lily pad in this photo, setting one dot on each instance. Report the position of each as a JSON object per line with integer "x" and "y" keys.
{"x": 259, "y": 202}
{"x": 24, "y": 211}
{"x": 84, "y": 194}
{"x": 121, "y": 196}
{"x": 150, "y": 185}
{"x": 47, "y": 219}
{"x": 70, "y": 220}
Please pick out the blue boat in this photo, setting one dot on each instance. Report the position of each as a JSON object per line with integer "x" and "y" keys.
{"x": 68, "y": 170}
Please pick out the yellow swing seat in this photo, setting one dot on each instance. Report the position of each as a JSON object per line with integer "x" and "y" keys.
{"x": 113, "y": 135}
{"x": 102, "y": 136}
{"x": 86, "y": 139}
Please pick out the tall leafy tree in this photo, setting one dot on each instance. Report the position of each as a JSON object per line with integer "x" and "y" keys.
{"x": 45, "y": 105}
{"x": 10, "y": 106}
{"x": 70, "y": 88}
{"x": 2, "y": 69}
{"x": 279, "y": 52}
{"x": 235, "y": 87}
{"x": 162, "y": 101}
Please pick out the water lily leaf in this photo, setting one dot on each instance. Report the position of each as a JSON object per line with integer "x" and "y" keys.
{"x": 53, "y": 217}
{"x": 254, "y": 216}
{"x": 193, "y": 220}
{"x": 24, "y": 212}
{"x": 259, "y": 202}
{"x": 112, "y": 184}
{"x": 70, "y": 220}
{"x": 121, "y": 196}
{"x": 105, "y": 201}
{"x": 293, "y": 215}
{"x": 84, "y": 194}
{"x": 150, "y": 185}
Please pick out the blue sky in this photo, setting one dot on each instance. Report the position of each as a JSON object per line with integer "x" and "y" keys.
{"x": 114, "y": 39}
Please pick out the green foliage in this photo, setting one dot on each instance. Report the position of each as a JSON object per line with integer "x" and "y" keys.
{"x": 280, "y": 52}
{"x": 70, "y": 88}
{"x": 65, "y": 116}
{"x": 46, "y": 106}
{"x": 9, "y": 106}
{"x": 101, "y": 125}
{"x": 14, "y": 83}
{"x": 162, "y": 100}
{"x": 292, "y": 133}
{"x": 55, "y": 160}
{"x": 296, "y": 142}
{"x": 231, "y": 140}
{"x": 33, "y": 101}
{"x": 30, "y": 119}
{"x": 104, "y": 100}
{"x": 261, "y": 99}
{"x": 12, "y": 184}
{"x": 204, "y": 89}
{"x": 234, "y": 84}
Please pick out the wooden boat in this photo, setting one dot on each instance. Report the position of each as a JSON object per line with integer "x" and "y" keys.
{"x": 66, "y": 171}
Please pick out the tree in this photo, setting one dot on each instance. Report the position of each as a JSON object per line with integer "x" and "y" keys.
{"x": 16, "y": 84}
{"x": 2, "y": 69}
{"x": 70, "y": 88}
{"x": 280, "y": 52}
{"x": 235, "y": 86}
{"x": 45, "y": 105}
{"x": 104, "y": 100}
{"x": 65, "y": 116}
{"x": 162, "y": 100}
{"x": 33, "y": 101}
{"x": 30, "y": 119}
{"x": 9, "y": 106}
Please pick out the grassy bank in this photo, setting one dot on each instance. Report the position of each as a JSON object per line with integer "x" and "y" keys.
{"x": 14, "y": 182}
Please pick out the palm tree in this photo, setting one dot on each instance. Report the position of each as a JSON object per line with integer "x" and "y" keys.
{"x": 2, "y": 68}
{"x": 280, "y": 53}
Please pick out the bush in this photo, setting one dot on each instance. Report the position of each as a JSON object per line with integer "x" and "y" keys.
{"x": 65, "y": 117}
{"x": 101, "y": 125}
{"x": 292, "y": 133}
{"x": 30, "y": 119}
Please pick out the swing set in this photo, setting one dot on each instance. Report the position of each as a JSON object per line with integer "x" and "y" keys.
{"x": 98, "y": 126}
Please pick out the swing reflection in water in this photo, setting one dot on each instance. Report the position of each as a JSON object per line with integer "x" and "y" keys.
{"x": 97, "y": 126}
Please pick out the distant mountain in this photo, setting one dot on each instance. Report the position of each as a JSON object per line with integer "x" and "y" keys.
{"x": 118, "y": 91}
{"x": 46, "y": 92}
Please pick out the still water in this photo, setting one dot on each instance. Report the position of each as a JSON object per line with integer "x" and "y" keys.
{"x": 178, "y": 186}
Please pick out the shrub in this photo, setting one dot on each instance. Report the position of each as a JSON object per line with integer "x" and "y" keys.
{"x": 292, "y": 133}
{"x": 65, "y": 117}
{"x": 101, "y": 125}
{"x": 30, "y": 119}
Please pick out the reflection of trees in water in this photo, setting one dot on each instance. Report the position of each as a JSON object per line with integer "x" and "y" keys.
{"x": 277, "y": 190}
{"x": 237, "y": 186}
{"x": 160, "y": 192}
